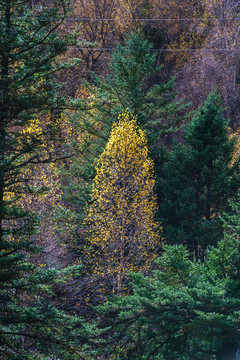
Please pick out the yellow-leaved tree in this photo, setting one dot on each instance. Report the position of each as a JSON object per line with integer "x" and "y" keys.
{"x": 123, "y": 233}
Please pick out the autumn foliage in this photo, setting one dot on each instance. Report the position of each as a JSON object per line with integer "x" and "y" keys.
{"x": 105, "y": 154}
{"x": 124, "y": 235}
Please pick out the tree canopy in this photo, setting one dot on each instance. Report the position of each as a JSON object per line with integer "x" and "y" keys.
{"x": 186, "y": 309}
{"x": 112, "y": 192}
{"x": 31, "y": 326}
{"x": 197, "y": 179}
{"x": 124, "y": 235}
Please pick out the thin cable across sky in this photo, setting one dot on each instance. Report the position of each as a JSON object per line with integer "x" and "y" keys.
{"x": 160, "y": 50}
{"x": 75, "y": 19}
{"x": 157, "y": 19}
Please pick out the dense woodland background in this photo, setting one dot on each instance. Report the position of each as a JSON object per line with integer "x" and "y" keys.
{"x": 119, "y": 179}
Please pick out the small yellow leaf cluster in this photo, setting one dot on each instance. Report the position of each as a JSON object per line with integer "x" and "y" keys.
{"x": 42, "y": 194}
{"x": 236, "y": 136}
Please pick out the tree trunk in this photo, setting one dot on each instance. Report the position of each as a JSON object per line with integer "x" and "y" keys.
{"x": 229, "y": 350}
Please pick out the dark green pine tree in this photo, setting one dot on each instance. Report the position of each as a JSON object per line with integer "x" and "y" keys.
{"x": 187, "y": 310}
{"x": 30, "y": 326}
{"x": 134, "y": 83}
{"x": 197, "y": 180}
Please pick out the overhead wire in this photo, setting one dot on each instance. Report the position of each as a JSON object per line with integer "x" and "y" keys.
{"x": 159, "y": 50}
{"x": 155, "y": 20}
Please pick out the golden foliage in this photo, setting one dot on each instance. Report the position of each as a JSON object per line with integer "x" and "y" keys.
{"x": 124, "y": 235}
{"x": 235, "y": 136}
{"x": 37, "y": 184}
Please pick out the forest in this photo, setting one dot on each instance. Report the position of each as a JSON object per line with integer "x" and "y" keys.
{"x": 119, "y": 179}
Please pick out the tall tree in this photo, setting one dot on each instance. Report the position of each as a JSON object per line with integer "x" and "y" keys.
{"x": 120, "y": 216}
{"x": 29, "y": 47}
{"x": 197, "y": 179}
{"x": 133, "y": 83}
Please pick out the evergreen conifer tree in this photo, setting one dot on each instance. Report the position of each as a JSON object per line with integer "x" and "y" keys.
{"x": 134, "y": 83}
{"x": 30, "y": 326}
{"x": 186, "y": 310}
{"x": 197, "y": 179}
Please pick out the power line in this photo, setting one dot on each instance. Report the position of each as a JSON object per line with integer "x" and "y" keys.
{"x": 155, "y": 20}
{"x": 158, "y": 19}
{"x": 161, "y": 50}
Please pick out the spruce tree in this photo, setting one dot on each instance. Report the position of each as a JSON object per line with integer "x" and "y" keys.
{"x": 198, "y": 179}
{"x": 134, "y": 83}
{"x": 30, "y": 326}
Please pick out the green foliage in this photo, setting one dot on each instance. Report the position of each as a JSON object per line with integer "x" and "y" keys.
{"x": 197, "y": 179}
{"x": 185, "y": 310}
{"x": 30, "y": 46}
{"x": 30, "y": 324}
{"x": 134, "y": 83}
